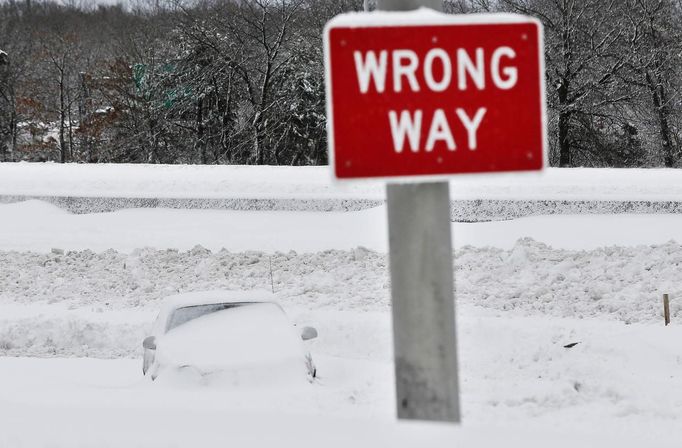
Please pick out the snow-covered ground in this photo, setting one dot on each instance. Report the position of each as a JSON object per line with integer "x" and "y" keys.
{"x": 515, "y": 373}
{"x": 39, "y": 226}
{"x": 220, "y": 181}
{"x": 78, "y": 293}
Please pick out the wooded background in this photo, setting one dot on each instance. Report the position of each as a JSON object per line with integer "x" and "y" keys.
{"x": 241, "y": 82}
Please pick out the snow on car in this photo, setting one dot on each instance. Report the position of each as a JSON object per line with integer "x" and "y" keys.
{"x": 240, "y": 337}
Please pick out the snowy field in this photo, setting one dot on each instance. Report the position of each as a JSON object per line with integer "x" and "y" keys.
{"x": 221, "y": 181}
{"x": 39, "y": 226}
{"x": 619, "y": 385}
{"x": 79, "y": 292}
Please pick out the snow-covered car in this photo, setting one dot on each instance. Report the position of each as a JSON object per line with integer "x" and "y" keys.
{"x": 241, "y": 335}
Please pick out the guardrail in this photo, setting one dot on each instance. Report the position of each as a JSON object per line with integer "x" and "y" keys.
{"x": 475, "y": 210}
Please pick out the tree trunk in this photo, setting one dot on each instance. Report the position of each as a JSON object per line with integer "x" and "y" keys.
{"x": 258, "y": 140}
{"x": 225, "y": 138}
{"x": 70, "y": 128}
{"x": 563, "y": 89}
{"x": 660, "y": 102}
{"x": 62, "y": 121}
{"x": 83, "y": 114}
{"x": 564, "y": 123}
{"x": 13, "y": 127}
{"x": 258, "y": 119}
{"x": 199, "y": 144}
{"x": 153, "y": 152}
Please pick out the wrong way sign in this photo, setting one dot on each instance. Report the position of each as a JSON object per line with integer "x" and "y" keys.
{"x": 426, "y": 94}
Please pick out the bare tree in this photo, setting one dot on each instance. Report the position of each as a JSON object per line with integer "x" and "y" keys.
{"x": 583, "y": 64}
{"x": 655, "y": 47}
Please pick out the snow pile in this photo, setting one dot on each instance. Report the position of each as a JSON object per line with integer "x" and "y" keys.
{"x": 623, "y": 283}
{"x": 82, "y": 303}
{"x": 74, "y": 337}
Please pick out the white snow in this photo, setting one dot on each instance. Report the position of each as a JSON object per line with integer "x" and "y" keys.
{"x": 583, "y": 231}
{"x": 268, "y": 345}
{"x": 422, "y": 16}
{"x": 83, "y": 303}
{"x": 195, "y": 181}
{"x": 616, "y": 388}
{"x": 78, "y": 286}
{"x": 37, "y": 226}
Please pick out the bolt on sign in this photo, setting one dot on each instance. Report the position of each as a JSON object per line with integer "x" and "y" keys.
{"x": 427, "y": 94}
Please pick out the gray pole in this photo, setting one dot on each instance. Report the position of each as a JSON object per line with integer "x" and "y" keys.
{"x": 422, "y": 290}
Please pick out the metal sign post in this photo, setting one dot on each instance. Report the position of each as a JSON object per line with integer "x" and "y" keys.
{"x": 422, "y": 293}
{"x": 422, "y": 290}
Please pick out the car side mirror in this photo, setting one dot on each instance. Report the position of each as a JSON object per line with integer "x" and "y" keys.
{"x": 308, "y": 333}
{"x": 149, "y": 343}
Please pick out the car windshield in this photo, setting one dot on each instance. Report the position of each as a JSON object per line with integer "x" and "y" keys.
{"x": 188, "y": 313}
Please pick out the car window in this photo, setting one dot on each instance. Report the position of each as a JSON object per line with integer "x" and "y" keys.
{"x": 188, "y": 313}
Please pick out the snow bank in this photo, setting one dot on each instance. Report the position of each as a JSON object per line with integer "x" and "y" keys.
{"x": 622, "y": 283}
{"x": 71, "y": 337}
{"x": 83, "y": 303}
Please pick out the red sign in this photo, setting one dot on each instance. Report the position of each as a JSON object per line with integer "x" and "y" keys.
{"x": 434, "y": 95}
